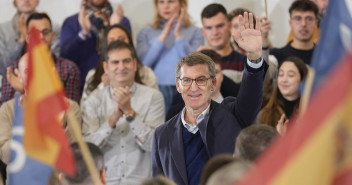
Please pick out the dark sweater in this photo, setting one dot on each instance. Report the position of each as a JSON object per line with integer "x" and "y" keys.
{"x": 282, "y": 53}
{"x": 195, "y": 155}
{"x": 234, "y": 61}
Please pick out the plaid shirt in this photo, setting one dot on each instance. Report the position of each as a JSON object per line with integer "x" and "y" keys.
{"x": 69, "y": 75}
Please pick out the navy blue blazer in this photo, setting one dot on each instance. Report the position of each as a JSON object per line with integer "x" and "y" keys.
{"x": 218, "y": 134}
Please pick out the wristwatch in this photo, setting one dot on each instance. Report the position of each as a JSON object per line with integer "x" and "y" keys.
{"x": 130, "y": 116}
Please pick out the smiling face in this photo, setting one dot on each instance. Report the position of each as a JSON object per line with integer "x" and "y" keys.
{"x": 196, "y": 97}
{"x": 120, "y": 67}
{"x": 167, "y": 8}
{"x": 288, "y": 80}
{"x": 303, "y": 24}
{"x": 216, "y": 30}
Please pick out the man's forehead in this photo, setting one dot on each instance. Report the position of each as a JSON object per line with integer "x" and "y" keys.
{"x": 302, "y": 13}
{"x": 120, "y": 52}
{"x": 39, "y": 23}
{"x": 194, "y": 70}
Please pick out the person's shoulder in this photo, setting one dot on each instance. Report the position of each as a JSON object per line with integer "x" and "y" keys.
{"x": 6, "y": 25}
{"x": 147, "y": 90}
{"x": 8, "y": 107}
{"x": 148, "y": 28}
{"x": 72, "y": 18}
{"x": 234, "y": 55}
{"x": 6, "y": 30}
{"x": 9, "y": 103}
{"x": 97, "y": 96}
{"x": 169, "y": 123}
{"x": 193, "y": 27}
{"x": 67, "y": 62}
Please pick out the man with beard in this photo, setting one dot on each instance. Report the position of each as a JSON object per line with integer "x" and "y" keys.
{"x": 303, "y": 22}
{"x": 82, "y": 33}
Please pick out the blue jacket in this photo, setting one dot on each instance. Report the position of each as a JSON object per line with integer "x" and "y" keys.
{"x": 218, "y": 134}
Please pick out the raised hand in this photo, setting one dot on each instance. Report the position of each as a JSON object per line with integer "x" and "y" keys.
{"x": 281, "y": 126}
{"x": 249, "y": 37}
{"x": 84, "y": 21}
{"x": 167, "y": 28}
{"x": 178, "y": 27}
{"x": 117, "y": 16}
{"x": 265, "y": 28}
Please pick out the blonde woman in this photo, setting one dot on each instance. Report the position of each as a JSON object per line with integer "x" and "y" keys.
{"x": 170, "y": 37}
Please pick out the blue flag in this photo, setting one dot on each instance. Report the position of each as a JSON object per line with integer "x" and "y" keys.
{"x": 23, "y": 169}
{"x": 335, "y": 38}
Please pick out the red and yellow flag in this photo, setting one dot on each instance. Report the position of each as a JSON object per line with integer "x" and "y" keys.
{"x": 44, "y": 138}
{"x": 318, "y": 148}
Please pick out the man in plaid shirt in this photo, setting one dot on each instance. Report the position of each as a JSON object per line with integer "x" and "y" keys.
{"x": 67, "y": 70}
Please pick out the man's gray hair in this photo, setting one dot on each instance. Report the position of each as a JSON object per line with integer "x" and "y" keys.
{"x": 253, "y": 140}
{"x": 193, "y": 59}
{"x": 230, "y": 174}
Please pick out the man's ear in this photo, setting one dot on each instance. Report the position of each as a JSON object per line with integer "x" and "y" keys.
{"x": 53, "y": 35}
{"x": 213, "y": 84}
{"x": 135, "y": 64}
{"x": 178, "y": 85}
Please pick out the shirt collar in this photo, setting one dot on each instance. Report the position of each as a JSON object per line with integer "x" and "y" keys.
{"x": 220, "y": 98}
{"x": 192, "y": 127}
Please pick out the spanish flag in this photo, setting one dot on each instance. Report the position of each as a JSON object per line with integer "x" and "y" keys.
{"x": 318, "y": 148}
{"x": 44, "y": 138}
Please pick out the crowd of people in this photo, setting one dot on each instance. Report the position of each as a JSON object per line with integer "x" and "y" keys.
{"x": 172, "y": 110}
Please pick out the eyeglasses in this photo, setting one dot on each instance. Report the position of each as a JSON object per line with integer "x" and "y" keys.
{"x": 46, "y": 32}
{"x": 201, "y": 81}
{"x": 298, "y": 19}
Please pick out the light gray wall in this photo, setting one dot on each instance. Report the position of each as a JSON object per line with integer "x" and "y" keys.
{"x": 141, "y": 12}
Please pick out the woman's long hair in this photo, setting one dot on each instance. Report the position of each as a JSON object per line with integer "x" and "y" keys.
{"x": 157, "y": 19}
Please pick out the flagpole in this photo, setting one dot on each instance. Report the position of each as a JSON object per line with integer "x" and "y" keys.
{"x": 306, "y": 92}
{"x": 266, "y": 8}
{"x": 73, "y": 126}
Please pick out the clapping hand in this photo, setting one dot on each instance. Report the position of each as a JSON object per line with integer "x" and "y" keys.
{"x": 168, "y": 26}
{"x": 84, "y": 21}
{"x": 117, "y": 16}
{"x": 178, "y": 27}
